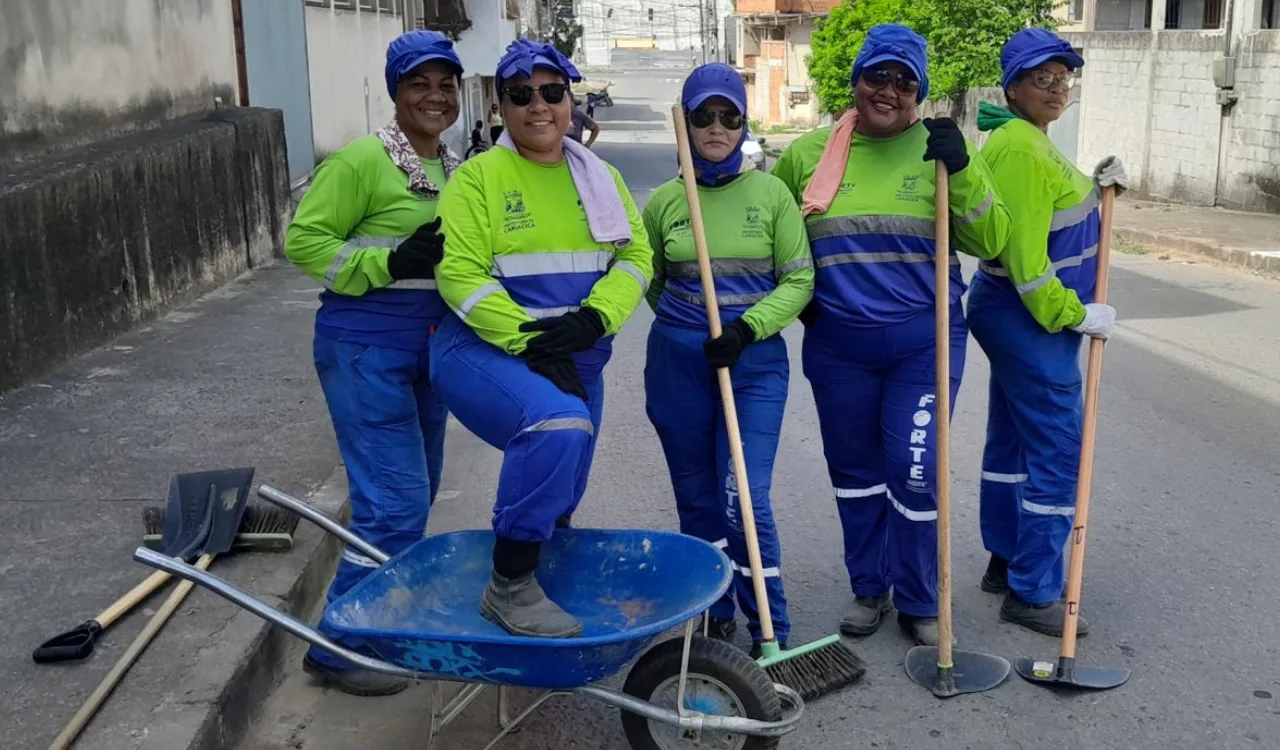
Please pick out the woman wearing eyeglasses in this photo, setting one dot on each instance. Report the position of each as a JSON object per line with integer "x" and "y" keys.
{"x": 545, "y": 259}
{"x": 866, "y": 187}
{"x": 1030, "y": 308}
{"x": 764, "y": 278}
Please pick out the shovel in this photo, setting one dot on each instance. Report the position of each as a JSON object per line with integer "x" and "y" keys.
{"x": 944, "y": 671}
{"x": 1066, "y": 673}
{"x": 203, "y": 517}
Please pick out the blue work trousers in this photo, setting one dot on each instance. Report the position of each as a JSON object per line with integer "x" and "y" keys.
{"x": 1032, "y": 454}
{"x": 390, "y": 427}
{"x": 682, "y": 399}
{"x": 875, "y": 392}
{"x": 547, "y": 437}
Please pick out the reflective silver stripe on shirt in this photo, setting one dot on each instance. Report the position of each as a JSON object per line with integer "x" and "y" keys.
{"x": 1069, "y": 217}
{"x": 413, "y": 284}
{"x": 550, "y": 312}
{"x": 537, "y": 264}
{"x": 978, "y": 212}
{"x": 841, "y": 258}
{"x": 845, "y": 226}
{"x": 562, "y": 423}
{"x": 475, "y": 297}
{"x": 1034, "y": 284}
{"x": 721, "y": 299}
{"x": 353, "y": 244}
{"x": 794, "y": 265}
{"x": 688, "y": 269}
{"x": 633, "y": 272}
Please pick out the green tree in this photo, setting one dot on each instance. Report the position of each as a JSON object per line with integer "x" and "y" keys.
{"x": 565, "y": 35}
{"x": 965, "y": 37}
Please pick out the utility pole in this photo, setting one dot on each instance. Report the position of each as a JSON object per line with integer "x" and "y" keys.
{"x": 702, "y": 29}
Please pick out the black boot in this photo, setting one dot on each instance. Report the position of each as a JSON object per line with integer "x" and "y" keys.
{"x": 863, "y": 617}
{"x": 354, "y": 680}
{"x": 757, "y": 650}
{"x": 514, "y": 599}
{"x": 1042, "y": 618}
{"x": 721, "y": 628}
{"x": 923, "y": 630}
{"x": 996, "y": 579}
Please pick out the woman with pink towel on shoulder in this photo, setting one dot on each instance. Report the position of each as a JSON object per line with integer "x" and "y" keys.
{"x": 866, "y": 188}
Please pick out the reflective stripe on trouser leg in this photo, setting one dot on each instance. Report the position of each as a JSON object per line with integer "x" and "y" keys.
{"x": 1039, "y": 373}
{"x": 681, "y": 405}
{"x": 847, "y": 396}
{"x": 760, "y": 395}
{"x": 1003, "y": 473}
{"x": 370, "y": 392}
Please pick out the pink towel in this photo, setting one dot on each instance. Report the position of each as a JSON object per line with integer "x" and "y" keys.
{"x": 825, "y": 183}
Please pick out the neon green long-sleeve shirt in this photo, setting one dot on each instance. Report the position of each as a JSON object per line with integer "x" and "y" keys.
{"x": 1055, "y": 219}
{"x": 757, "y": 245}
{"x": 518, "y": 246}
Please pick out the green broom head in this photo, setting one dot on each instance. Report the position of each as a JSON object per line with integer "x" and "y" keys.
{"x": 262, "y": 527}
{"x": 813, "y": 669}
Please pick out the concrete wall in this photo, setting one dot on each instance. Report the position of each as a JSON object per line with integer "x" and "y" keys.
{"x": 1251, "y": 178}
{"x": 72, "y": 71}
{"x": 480, "y": 48}
{"x": 101, "y": 238}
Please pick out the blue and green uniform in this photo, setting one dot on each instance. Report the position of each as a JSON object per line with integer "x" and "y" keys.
{"x": 1021, "y": 309}
{"x": 869, "y": 353}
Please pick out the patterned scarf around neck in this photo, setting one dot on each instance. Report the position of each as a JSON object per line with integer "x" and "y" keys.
{"x": 403, "y": 156}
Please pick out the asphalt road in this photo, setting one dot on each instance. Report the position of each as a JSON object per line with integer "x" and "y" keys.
{"x": 1182, "y": 581}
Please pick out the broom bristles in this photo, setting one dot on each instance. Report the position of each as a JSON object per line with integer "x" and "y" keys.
{"x": 819, "y": 671}
{"x": 261, "y": 525}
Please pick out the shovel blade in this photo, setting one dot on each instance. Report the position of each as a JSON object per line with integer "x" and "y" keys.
{"x": 970, "y": 672}
{"x": 1067, "y": 675}
{"x": 204, "y": 510}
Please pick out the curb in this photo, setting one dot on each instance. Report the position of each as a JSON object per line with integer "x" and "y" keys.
{"x": 259, "y": 665}
{"x": 1253, "y": 260}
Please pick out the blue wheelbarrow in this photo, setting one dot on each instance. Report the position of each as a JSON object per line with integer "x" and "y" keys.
{"x": 418, "y": 617}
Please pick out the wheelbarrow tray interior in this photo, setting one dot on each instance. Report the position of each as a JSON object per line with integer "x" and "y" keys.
{"x": 421, "y": 609}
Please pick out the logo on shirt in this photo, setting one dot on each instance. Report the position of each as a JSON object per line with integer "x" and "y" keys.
{"x": 908, "y": 191}
{"x": 751, "y": 227}
{"x": 679, "y": 225}
{"x": 517, "y": 216}
{"x": 753, "y": 214}
{"x": 846, "y": 187}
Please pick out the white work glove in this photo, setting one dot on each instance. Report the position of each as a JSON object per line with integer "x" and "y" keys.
{"x": 1110, "y": 171}
{"x": 1098, "y": 321}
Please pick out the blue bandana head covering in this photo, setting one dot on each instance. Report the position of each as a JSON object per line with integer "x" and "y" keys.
{"x": 413, "y": 48}
{"x": 1031, "y": 47}
{"x": 522, "y": 56}
{"x": 705, "y": 82}
{"x": 893, "y": 42}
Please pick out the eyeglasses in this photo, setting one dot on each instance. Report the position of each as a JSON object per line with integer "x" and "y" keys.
{"x": 522, "y": 96}
{"x": 1045, "y": 80}
{"x": 703, "y": 118}
{"x": 903, "y": 81}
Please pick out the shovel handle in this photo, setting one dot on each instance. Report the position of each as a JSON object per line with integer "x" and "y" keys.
{"x": 942, "y": 400}
{"x": 78, "y": 643}
{"x": 130, "y": 600}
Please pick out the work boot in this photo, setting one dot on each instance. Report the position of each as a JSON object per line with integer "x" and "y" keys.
{"x": 721, "y": 628}
{"x": 354, "y": 680}
{"x": 996, "y": 579}
{"x": 1042, "y": 618}
{"x": 521, "y": 607}
{"x": 757, "y": 650}
{"x": 864, "y": 615}
{"x": 923, "y": 630}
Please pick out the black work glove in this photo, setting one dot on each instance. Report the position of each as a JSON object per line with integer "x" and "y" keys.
{"x": 725, "y": 350}
{"x": 946, "y": 144}
{"x": 417, "y": 256}
{"x": 572, "y": 332}
{"x": 559, "y": 369}
{"x": 808, "y": 314}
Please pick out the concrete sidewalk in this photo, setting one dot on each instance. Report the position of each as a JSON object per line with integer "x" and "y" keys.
{"x": 227, "y": 381}
{"x": 1248, "y": 240}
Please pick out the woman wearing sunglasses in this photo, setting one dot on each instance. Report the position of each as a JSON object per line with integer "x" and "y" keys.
{"x": 867, "y": 190}
{"x": 367, "y": 231}
{"x": 546, "y": 259}
{"x": 1030, "y": 308}
{"x": 764, "y": 278}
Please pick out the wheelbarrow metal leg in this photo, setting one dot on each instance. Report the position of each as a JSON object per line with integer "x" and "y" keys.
{"x": 525, "y": 714}
{"x": 684, "y": 669}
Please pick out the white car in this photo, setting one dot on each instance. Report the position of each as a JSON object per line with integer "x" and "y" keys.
{"x": 753, "y": 151}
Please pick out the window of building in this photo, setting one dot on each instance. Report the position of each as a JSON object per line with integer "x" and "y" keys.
{"x": 318, "y": 3}
{"x": 1271, "y": 14}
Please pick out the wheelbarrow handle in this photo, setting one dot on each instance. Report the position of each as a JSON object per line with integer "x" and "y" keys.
{"x": 260, "y": 608}
{"x": 289, "y": 502}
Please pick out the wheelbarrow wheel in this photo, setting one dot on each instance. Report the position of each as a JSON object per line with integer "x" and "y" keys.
{"x": 723, "y": 681}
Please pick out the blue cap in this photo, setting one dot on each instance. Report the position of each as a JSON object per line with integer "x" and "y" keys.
{"x": 714, "y": 79}
{"x": 1031, "y": 47}
{"x": 413, "y": 48}
{"x": 523, "y": 55}
{"x": 893, "y": 42}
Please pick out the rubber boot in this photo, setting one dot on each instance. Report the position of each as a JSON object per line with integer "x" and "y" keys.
{"x": 521, "y": 607}
{"x": 996, "y": 579}
{"x": 721, "y": 628}
{"x": 863, "y": 617}
{"x": 923, "y": 630}
{"x": 1042, "y": 618}
{"x": 354, "y": 680}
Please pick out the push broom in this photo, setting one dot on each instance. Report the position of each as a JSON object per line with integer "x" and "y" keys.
{"x": 816, "y": 668}
{"x": 1065, "y": 673}
{"x": 943, "y": 670}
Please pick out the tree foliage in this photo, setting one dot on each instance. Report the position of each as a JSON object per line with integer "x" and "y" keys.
{"x": 965, "y": 37}
{"x": 565, "y": 35}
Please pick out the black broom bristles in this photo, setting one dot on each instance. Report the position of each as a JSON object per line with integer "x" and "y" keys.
{"x": 820, "y": 671}
{"x": 261, "y": 527}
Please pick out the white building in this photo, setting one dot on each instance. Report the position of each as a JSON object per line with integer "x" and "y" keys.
{"x": 680, "y": 31}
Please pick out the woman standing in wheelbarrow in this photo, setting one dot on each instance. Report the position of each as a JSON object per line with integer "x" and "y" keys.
{"x": 764, "y": 278}
{"x": 546, "y": 259}
{"x": 866, "y": 187}
{"x": 367, "y": 230}
{"x": 1030, "y": 308}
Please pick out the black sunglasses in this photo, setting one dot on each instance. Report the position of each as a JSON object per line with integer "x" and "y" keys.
{"x": 522, "y": 96}
{"x": 903, "y": 81}
{"x": 703, "y": 118}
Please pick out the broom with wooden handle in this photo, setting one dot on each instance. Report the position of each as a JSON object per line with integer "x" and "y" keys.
{"x": 815, "y": 668}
